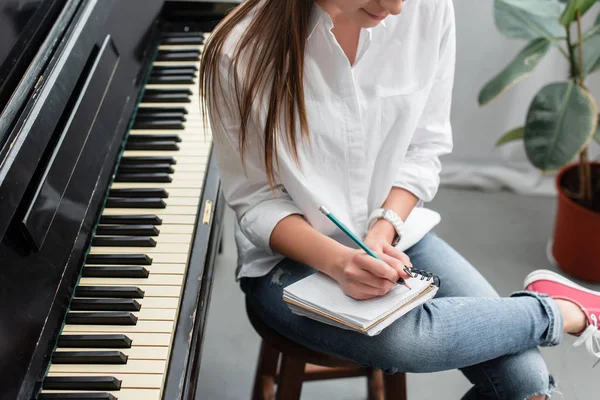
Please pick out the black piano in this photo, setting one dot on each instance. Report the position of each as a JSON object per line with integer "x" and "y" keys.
{"x": 110, "y": 205}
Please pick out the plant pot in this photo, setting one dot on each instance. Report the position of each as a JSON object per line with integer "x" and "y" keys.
{"x": 576, "y": 244}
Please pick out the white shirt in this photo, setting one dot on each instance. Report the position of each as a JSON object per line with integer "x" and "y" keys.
{"x": 383, "y": 122}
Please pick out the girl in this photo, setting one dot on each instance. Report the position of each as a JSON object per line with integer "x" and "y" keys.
{"x": 346, "y": 103}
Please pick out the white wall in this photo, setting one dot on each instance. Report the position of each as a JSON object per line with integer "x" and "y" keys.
{"x": 481, "y": 53}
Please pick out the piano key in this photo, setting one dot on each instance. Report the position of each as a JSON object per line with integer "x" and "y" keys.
{"x": 81, "y": 383}
{"x": 135, "y": 203}
{"x": 173, "y": 248}
{"x": 141, "y": 326}
{"x": 160, "y": 111}
{"x": 123, "y": 241}
{"x": 132, "y": 367}
{"x": 184, "y": 151}
{"x": 95, "y": 341}
{"x": 163, "y": 269}
{"x": 151, "y": 177}
{"x": 146, "y": 168}
{"x": 128, "y": 381}
{"x": 152, "y": 146}
{"x": 168, "y": 210}
{"x": 142, "y": 352}
{"x": 140, "y": 219}
{"x": 161, "y": 302}
{"x": 175, "y": 69}
{"x": 156, "y": 137}
{"x": 104, "y": 304}
{"x": 176, "y": 280}
{"x": 165, "y": 258}
{"x": 112, "y": 259}
{"x": 89, "y": 357}
{"x": 101, "y": 318}
{"x": 148, "y": 160}
{"x": 110, "y": 291}
{"x": 175, "y": 238}
{"x": 58, "y": 395}
{"x": 171, "y": 79}
{"x": 160, "y": 123}
{"x": 121, "y": 271}
{"x": 167, "y": 96}
{"x": 178, "y": 55}
{"x": 165, "y": 220}
{"x": 182, "y": 40}
{"x": 157, "y": 193}
{"x": 188, "y": 33}
{"x": 180, "y": 181}
{"x": 127, "y": 230}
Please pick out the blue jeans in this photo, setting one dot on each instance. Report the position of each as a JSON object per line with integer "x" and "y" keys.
{"x": 467, "y": 326}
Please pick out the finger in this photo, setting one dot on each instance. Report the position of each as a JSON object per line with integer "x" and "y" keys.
{"x": 396, "y": 264}
{"x": 394, "y": 252}
{"x": 376, "y": 267}
{"x": 366, "y": 278}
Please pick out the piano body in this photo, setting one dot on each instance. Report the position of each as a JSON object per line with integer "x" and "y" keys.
{"x": 110, "y": 208}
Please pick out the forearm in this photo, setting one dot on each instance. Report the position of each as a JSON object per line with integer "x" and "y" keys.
{"x": 294, "y": 238}
{"x": 399, "y": 200}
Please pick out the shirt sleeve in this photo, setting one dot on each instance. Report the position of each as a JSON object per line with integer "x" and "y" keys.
{"x": 258, "y": 209}
{"x": 419, "y": 174}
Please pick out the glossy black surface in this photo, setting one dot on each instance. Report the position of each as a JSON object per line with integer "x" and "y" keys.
{"x": 82, "y": 383}
{"x": 106, "y": 341}
{"x": 77, "y": 396}
{"x": 37, "y": 284}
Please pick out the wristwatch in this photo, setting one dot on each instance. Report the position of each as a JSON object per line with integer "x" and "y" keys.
{"x": 392, "y": 218}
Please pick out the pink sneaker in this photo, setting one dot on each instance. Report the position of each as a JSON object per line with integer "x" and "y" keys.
{"x": 561, "y": 288}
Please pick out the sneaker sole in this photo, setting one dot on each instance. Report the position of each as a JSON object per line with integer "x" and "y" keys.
{"x": 554, "y": 277}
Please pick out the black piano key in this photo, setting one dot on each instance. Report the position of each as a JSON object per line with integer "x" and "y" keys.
{"x": 104, "y": 304}
{"x": 143, "y": 219}
{"x": 167, "y": 96}
{"x": 127, "y": 230}
{"x": 160, "y": 111}
{"x": 158, "y": 124}
{"x": 158, "y": 177}
{"x": 81, "y": 383}
{"x": 152, "y": 146}
{"x": 177, "y": 34}
{"x": 77, "y": 396}
{"x": 183, "y": 40}
{"x": 129, "y": 292}
{"x": 123, "y": 241}
{"x": 161, "y": 116}
{"x": 171, "y": 80}
{"x": 135, "y": 203}
{"x": 170, "y": 70}
{"x": 101, "y": 318}
{"x": 141, "y": 168}
{"x": 178, "y": 55}
{"x": 136, "y": 271}
{"x": 160, "y": 137}
{"x": 157, "y": 193}
{"x": 89, "y": 357}
{"x": 114, "y": 259}
{"x": 107, "y": 341}
{"x": 148, "y": 160}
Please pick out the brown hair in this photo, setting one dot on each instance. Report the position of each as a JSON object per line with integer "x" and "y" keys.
{"x": 274, "y": 44}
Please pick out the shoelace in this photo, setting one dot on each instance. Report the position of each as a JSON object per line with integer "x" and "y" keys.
{"x": 591, "y": 338}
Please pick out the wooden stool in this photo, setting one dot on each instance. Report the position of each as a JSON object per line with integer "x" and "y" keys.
{"x": 287, "y": 364}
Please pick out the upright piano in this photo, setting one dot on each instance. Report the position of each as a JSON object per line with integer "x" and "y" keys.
{"x": 110, "y": 206}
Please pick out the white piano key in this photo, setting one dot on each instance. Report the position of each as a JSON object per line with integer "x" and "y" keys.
{"x": 152, "y": 279}
{"x": 174, "y": 238}
{"x": 135, "y": 352}
{"x": 167, "y": 186}
{"x": 175, "y": 210}
{"x": 175, "y": 229}
{"x": 137, "y": 338}
{"x": 159, "y": 302}
{"x": 196, "y": 152}
{"x": 132, "y": 367}
{"x": 142, "y": 327}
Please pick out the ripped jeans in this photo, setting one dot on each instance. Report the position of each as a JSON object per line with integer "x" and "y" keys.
{"x": 467, "y": 326}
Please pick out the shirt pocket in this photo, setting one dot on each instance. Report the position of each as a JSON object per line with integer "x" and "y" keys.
{"x": 400, "y": 111}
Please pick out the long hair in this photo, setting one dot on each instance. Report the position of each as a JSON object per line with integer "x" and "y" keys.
{"x": 273, "y": 50}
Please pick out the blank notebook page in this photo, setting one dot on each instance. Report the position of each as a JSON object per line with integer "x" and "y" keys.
{"x": 323, "y": 293}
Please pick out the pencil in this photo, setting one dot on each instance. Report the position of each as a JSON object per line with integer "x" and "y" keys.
{"x": 355, "y": 239}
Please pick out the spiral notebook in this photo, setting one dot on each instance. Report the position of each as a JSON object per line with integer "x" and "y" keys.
{"x": 320, "y": 298}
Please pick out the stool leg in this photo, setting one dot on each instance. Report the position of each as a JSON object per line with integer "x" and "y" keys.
{"x": 375, "y": 386}
{"x": 291, "y": 376}
{"x": 266, "y": 370}
{"x": 395, "y": 386}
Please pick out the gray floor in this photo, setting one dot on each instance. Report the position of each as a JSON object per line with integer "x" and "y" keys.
{"x": 503, "y": 234}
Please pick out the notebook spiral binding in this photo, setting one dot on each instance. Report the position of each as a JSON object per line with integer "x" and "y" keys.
{"x": 424, "y": 275}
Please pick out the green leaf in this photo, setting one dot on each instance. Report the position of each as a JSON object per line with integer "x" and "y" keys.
{"x": 523, "y": 19}
{"x": 560, "y": 122}
{"x": 597, "y": 135}
{"x": 591, "y": 49}
{"x": 570, "y": 13}
{"x": 515, "y": 134}
{"x": 521, "y": 66}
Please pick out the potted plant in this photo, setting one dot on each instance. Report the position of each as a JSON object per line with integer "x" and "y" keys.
{"x": 561, "y": 121}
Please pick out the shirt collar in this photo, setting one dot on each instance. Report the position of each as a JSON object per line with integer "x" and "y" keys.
{"x": 321, "y": 16}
